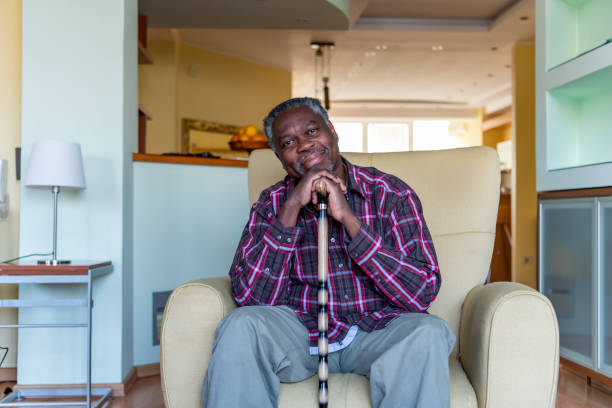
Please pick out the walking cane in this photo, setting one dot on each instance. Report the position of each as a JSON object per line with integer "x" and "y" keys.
{"x": 323, "y": 294}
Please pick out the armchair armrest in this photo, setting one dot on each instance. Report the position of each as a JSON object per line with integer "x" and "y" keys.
{"x": 188, "y": 329}
{"x": 509, "y": 346}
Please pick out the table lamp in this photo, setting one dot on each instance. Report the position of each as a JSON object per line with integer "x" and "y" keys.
{"x": 55, "y": 164}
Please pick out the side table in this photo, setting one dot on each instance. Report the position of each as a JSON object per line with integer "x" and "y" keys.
{"x": 79, "y": 272}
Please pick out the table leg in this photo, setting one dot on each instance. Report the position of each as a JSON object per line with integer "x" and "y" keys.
{"x": 89, "y": 311}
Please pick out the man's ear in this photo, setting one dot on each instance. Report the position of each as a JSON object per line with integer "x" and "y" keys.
{"x": 333, "y": 131}
{"x": 281, "y": 160}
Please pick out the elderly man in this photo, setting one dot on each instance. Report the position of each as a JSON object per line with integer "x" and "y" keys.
{"x": 383, "y": 276}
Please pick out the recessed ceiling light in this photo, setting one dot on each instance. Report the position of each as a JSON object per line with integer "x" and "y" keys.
{"x": 524, "y": 18}
{"x": 494, "y": 48}
{"x": 437, "y": 47}
{"x": 381, "y": 47}
{"x": 370, "y": 53}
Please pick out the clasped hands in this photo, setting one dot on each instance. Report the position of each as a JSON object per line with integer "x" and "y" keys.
{"x": 337, "y": 206}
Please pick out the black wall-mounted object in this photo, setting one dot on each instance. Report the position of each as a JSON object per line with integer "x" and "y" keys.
{"x": 159, "y": 303}
{"x": 18, "y": 162}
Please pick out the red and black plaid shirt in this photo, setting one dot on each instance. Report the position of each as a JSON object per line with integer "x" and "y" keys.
{"x": 389, "y": 268}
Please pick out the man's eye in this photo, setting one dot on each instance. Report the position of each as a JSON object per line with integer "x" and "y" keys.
{"x": 286, "y": 142}
{"x": 312, "y": 131}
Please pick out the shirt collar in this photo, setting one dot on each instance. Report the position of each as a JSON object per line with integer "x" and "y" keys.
{"x": 353, "y": 179}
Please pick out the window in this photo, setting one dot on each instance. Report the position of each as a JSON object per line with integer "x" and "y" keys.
{"x": 388, "y": 137}
{"x": 350, "y": 136}
{"x": 433, "y": 135}
{"x": 404, "y": 136}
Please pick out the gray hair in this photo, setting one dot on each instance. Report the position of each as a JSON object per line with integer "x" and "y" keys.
{"x": 311, "y": 103}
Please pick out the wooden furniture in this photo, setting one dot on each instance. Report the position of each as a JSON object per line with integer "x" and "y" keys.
{"x": 77, "y": 272}
{"x": 249, "y": 146}
{"x": 144, "y": 58}
{"x": 163, "y": 158}
{"x": 501, "y": 263}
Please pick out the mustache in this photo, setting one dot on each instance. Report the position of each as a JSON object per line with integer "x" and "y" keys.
{"x": 310, "y": 152}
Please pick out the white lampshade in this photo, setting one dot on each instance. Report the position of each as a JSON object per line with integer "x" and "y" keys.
{"x": 55, "y": 163}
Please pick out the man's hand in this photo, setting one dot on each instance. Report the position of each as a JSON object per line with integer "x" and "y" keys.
{"x": 337, "y": 205}
{"x": 300, "y": 196}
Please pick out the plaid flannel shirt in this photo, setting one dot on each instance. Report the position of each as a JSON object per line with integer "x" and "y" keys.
{"x": 389, "y": 268}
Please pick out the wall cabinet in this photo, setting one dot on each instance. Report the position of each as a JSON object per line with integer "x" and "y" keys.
{"x": 576, "y": 275}
{"x": 573, "y": 94}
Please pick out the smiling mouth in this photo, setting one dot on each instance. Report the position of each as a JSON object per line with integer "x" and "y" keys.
{"x": 311, "y": 157}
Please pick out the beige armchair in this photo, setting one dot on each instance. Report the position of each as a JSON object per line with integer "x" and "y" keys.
{"x": 507, "y": 351}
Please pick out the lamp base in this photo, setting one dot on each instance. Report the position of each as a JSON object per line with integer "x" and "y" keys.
{"x": 53, "y": 262}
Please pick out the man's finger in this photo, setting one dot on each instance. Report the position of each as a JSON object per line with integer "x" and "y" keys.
{"x": 337, "y": 180}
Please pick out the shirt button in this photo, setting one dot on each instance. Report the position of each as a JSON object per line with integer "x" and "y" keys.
{"x": 332, "y": 240}
{"x": 279, "y": 237}
{"x": 267, "y": 270}
{"x": 340, "y": 265}
{"x": 288, "y": 239}
{"x": 345, "y": 296}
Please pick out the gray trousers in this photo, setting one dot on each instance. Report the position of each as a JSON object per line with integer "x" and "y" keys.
{"x": 257, "y": 347}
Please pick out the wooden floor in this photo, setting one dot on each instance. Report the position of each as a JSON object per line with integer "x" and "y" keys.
{"x": 573, "y": 392}
{"x": 146, "y": 393}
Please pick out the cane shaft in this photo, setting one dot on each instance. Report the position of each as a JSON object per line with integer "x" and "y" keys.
{"x": 323, "y": 297}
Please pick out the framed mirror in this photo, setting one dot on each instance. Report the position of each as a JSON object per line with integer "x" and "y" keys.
{"x": 198, "y": 136}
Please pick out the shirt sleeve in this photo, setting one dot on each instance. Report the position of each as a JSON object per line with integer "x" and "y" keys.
{"x": 260, "y": 269}
{"x": 403, "y": 263}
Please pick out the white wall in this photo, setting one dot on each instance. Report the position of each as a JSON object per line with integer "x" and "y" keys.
{"x": 187, "y": 227}
{"x": 80, "y": 84}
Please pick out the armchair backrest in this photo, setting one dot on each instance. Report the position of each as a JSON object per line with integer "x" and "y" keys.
{"x": 459, "y": 191}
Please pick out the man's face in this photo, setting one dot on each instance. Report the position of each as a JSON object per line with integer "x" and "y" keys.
{"x": 304, "y": 142}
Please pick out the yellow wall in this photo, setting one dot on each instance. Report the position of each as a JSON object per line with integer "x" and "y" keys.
{"x": 10, "y": 137}
{"x": 474, "y": 130}
{"x": 498, "y": 134}
{"x": 186, "y": 82}
{"x": 157, "y": 94}
{"x": 524, "y": 195}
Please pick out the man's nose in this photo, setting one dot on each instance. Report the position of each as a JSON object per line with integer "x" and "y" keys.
{"x": 304, "y": 144}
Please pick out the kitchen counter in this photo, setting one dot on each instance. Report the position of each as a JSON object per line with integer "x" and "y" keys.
{"x": 162, "y": 158}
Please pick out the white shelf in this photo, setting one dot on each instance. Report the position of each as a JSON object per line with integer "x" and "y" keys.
{"x": 574, "y": 27}
{"x": 573, "y": 99}
{"x": 582, "y": 66}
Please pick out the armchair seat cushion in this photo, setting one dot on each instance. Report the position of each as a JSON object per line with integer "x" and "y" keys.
{"x": 353, "y": 391}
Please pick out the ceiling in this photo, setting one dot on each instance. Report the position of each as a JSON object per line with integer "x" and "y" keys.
{"x": 384, "y": 54}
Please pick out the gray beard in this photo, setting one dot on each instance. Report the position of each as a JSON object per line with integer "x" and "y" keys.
{"x": 300, "y": 163}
